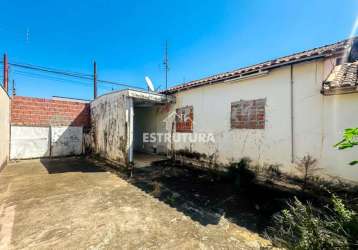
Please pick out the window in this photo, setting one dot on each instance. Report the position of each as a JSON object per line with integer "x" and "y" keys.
{"x": 248, "y": 114}
{"x": 184, "y": 119}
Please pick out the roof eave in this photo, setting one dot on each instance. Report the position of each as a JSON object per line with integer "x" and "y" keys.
{"x": 215, "y": 81}
{"x": 340, "y": 91}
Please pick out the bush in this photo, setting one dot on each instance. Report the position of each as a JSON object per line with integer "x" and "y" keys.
{"x": 301, "y": 226}
{"x": 350, "y": 140}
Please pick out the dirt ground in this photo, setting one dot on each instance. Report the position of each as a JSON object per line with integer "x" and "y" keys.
{"x": 74, "y": 203}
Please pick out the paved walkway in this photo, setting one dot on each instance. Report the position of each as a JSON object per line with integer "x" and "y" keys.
{"x": 72, "y": 204}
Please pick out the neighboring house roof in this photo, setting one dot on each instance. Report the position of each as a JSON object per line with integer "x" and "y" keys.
{"x": 325, "y": 51}
{"x": 343, "y": 79}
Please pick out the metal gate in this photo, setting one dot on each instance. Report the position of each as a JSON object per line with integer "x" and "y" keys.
{"x": 36, "y": 142}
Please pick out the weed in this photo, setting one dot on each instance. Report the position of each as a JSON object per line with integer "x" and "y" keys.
{"x": 302, "y": 226}
{"x": 307, "y": 166}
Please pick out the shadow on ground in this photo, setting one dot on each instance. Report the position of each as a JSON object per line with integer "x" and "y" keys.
{"x": 63, "y": 165}
{"x": 202, "y": 195}
{"x": 206, "y": 197}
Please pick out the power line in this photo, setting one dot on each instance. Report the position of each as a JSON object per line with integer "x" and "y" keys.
{"x": 39, "y": 76}
{"x": 120, "y": 84}
{"x": 86, "y": 84}
{"x": 69, "y": 74}
{"x": 53, "y": 71}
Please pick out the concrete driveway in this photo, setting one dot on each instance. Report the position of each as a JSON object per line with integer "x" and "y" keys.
{"x": 73, "y": 204}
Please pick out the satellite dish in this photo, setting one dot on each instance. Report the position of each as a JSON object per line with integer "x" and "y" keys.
{"x": 149, "y": 83}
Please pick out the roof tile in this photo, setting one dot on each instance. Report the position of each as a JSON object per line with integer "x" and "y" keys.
{"x": 323, "y": 51}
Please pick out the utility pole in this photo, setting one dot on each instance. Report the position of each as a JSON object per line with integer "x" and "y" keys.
{"x": 13, "y": 88}
{"x": 6, "y": 74}
{"x": 166, "y": 63}
{"x": 94, "y": 80}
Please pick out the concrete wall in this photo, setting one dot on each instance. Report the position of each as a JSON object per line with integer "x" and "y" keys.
{"x": 44, "y": 128}
{"x": 109, "y": 127}
{"x": 4, "y": 127}
{"x": 66, "y": 141}
{"x": 318, "y": 120}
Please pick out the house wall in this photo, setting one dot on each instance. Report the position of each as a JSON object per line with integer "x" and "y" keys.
{"x": 212, "y": 109}
{"x": 44, "y": 128}
{"x": 109, "y": 127}
{"x": 318, "y": 121}
{"x": 4, "y": 127}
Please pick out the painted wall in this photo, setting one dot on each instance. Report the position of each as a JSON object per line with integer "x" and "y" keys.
{"x": 109, "y": 127}
{"x": 44, "y": 128}
{"x": 4, "y": 127}
{"x": 318, "y": 120}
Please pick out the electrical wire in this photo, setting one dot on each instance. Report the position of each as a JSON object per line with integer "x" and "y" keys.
{"x": 70, "y": 74}
{"x": 53, "y": 71}
{"x": 38, "y": 76}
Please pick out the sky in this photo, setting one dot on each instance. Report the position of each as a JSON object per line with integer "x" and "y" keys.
{"x": 126, "y": 38}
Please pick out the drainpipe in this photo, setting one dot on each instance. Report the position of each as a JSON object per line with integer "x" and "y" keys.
{"x": 292, "y": 117}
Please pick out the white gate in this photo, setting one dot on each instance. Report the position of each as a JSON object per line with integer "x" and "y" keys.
{"x": 29, "y": 142}
{"x": 36, "y": 142}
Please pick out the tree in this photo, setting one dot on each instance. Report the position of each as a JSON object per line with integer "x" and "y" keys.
{"x": 350, "y": 139}
{"x": 307, "y": 166}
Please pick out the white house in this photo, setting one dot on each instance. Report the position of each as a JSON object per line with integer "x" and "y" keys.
{"x": 273, "y": 112}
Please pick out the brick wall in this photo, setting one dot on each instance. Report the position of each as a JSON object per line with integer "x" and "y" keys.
{"x": 30, "y": 111}
{"x": 248, "y": 114}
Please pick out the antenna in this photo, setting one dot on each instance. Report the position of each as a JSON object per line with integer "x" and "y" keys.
{"x": 149, "y": 84}
{"x": 166, "y": 63}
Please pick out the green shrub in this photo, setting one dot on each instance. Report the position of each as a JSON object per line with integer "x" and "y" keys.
{"x": 350, "y": 140}
{"x": 302, "y": 226}
{"x": 348, "y": 219}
